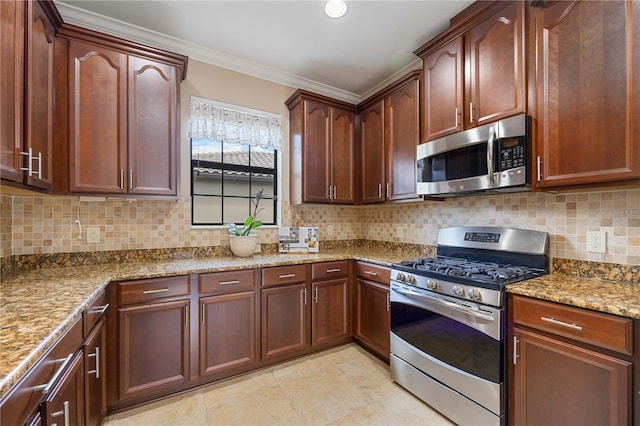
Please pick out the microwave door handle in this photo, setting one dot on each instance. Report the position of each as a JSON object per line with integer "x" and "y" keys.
{"x": 492, "y": 138}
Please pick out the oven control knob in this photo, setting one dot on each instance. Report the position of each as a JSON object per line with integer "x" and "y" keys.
{"x": 432, "y": 284}
{"x": 458, "y": 291}
{"x": 411, "y": 279}
{"x": 400, "y": 276}
{"x": 474, "y": 294}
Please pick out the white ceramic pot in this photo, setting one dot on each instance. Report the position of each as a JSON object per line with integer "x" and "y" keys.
{"x": 243, "y": 246}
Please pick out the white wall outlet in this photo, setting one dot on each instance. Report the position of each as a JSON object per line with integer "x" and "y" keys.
{"x": 596, "y": 241}
{"x": 93, "y": 235}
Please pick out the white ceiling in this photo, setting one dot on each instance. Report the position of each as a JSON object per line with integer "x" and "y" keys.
{"x": 289, "y": 42}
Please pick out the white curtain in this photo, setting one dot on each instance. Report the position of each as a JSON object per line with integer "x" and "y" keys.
{"x": 238, "y": 125}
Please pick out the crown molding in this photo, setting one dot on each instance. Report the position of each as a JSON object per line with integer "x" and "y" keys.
{"x": 82, "y": 18}
{"x": 413, "y": 66}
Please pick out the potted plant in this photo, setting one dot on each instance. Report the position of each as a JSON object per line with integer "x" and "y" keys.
{"x": 244, "y": 239}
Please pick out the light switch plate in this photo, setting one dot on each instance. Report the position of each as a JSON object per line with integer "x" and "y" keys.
{"x": 93, "y": 235}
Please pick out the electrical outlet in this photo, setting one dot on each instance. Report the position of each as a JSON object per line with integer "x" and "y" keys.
{"x": 93, "y": 235}
{"x": 596, "y": 241}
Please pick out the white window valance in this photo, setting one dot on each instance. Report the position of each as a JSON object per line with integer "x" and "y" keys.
{"x": 224, "y": 122}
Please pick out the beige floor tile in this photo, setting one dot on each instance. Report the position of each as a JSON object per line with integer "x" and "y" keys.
{"x": 409, "y": 410}
{"x": 238, "y": 388}
{"x": 370, "y": 375}
{"x": 188, "y": 409}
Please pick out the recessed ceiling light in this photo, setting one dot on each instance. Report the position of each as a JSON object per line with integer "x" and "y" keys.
{"x": 335, "y": 8}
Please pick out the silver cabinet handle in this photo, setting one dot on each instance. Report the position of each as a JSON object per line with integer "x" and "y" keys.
{"x": 121, "y": 178}
{"x": 515, "y": 350}
{"x": 457, "y": 116}
{"x": 95, "y": 355}
{"x": 39, "y": 172}
{"x": 130, "y": 179}
{"x": 539, "y": 167}
{"x": 229, "y": 282}
{"x": 64, "y": 412}
{"x": 329, "y": 195}
{"x": 388, "y": 302}
{"x": 315, "y": 295}
{"x": 202, "y": 313}
{"x": 47, "y": 387}
{"x": 100, "y": 309}
{"x": 29, "y": 168}
{"x": 373, "y": 274}
{"x": 334, "y": 196}
{"x": 186, "y": 317}
{"x": 286, "y": 276}
{"x": 380, "y": 190}
{"x": 304, "y": 296}
{"x": 388, "y": 190}
{"x": 160, "y": 290}
{"x": 334, "y": 270}
{"x": 471, "y": 112}
{"x": 562, "y": 323}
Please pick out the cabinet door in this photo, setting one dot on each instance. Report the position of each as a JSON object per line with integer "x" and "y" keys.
{"x": 373, "y": 324}
{"x": 227, "y": 332}
{"x": 39, "y": 105}
{"x": 315, "y": 169}
{"x": 329, "y": 313}
{"x": 560, "y": 383}
{"x": 496, "y": 67}
{"x": 402, "y": 122}
{"x": 95, "y": 364}
{"x": 284, "y": 320}
{"x": 443, "y": 91}
{"x": 153, "y": 130}
{"x": 588, "y": 67}
{"x": 373, "y": 178}
{"x": 11, "y": 88}
{"x": 343, "y": 146}
{"x": 154, "y": 347}
{"x": 64, "y": 405}
{"x": 97, "y": 119}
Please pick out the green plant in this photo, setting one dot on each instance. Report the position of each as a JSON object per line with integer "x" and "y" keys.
{"x": 250, "y": 222}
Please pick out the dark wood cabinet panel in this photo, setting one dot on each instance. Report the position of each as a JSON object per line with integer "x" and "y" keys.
{"x": 227, "y": 332}
{"x": 284, "y": 320}
{"x": 97, "y": 117}
{"x": 95, "y": 391}
{"x": 496, "y": 66}
{"x": 64, "y": 405}
{"x": 317, "y": 153}
{"x": 560, "y": 383}
{"x": 373, "y": 176}
{"x": 153, "y": 127}
{"x": 343, "y": 139}
{"x": 402, "y": 136}
{"x": 373, "y": 323}
{"x": 443, "y": 91}
{"x": 588, "y": 61}
{"x": 154, "y": 347}
{"x": 329, "y": 313}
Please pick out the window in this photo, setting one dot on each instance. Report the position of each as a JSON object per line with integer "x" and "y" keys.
{"x": 234, "y": 154}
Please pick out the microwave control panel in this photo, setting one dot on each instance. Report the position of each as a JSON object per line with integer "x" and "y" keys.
{"x": 512, "y": 153}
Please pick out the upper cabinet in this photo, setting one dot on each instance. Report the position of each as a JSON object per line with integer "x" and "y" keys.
{"x": 588, "y": 60}
{"x": 389, "y": 134}
{"x": 322, "y": 137}
{"x": 479, "y": 76}
{"x": 123, "y": 116}
{"x": 27, "y": 92}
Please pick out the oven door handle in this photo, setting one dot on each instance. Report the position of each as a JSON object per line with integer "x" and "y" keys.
{"x": 472, "y": 312}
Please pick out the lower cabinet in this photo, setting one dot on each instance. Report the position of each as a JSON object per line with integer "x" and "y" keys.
{"x": 330, "y": 308}
{"x": 284, "y": 320}
{"x": 64, "y": 405}
{"x": 372, "y": 320}
{"x": 570, "y": 366}
{"x": 94, "y": 372}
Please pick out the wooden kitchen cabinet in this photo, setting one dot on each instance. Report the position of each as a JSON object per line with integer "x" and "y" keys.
{"x": 389, "y": 134}
{"x": 64, "y": 405}
{"x": 478, "y": 76}
{"x": 570, "y": 366}
{"x": 123, "y": 116}
{"x": 330, "y": 322}
{"x": 284, "y": 320}
{"x": 27, "y": 92}
{"x": 322, "y": 133}
{"x": 588, "y": 67}
{"x": 153, "y": 335}
{"x": 372, "y": 320}
{"x": 229, "y": 322}
{"x": 95, "y": 371}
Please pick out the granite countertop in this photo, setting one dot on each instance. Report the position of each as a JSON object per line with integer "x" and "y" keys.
{"x": 36, "y": 307}
{"x": 590, "y": 293}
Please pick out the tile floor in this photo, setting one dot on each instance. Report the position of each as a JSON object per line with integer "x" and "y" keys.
{"x": 342, "y": 386}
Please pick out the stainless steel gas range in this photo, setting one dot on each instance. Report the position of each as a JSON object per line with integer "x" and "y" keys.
{"x": 448, "y": 319}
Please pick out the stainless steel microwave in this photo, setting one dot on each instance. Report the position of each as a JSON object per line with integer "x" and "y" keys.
{"x": 492, "y": 157}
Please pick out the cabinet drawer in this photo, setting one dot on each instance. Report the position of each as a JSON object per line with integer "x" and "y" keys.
{"x": 226, "y": 282}
{"x": 158, "y": 288}
{"x": 25, "y": 397}
{"x": 596, "y": 328}
{"x": 328, "y": 270}
{"x": 371, "y": 272}
{"x": 93, "y": 313}
{"x": 284, "y": 275}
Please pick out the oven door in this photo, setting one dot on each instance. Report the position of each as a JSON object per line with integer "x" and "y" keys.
{"x": 457, "y": 342}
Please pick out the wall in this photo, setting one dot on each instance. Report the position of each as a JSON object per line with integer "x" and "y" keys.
{"x": 33, "y": 224}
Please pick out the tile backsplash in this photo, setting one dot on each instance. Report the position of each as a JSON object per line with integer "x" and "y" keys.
{"x": 43, "y": 224}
